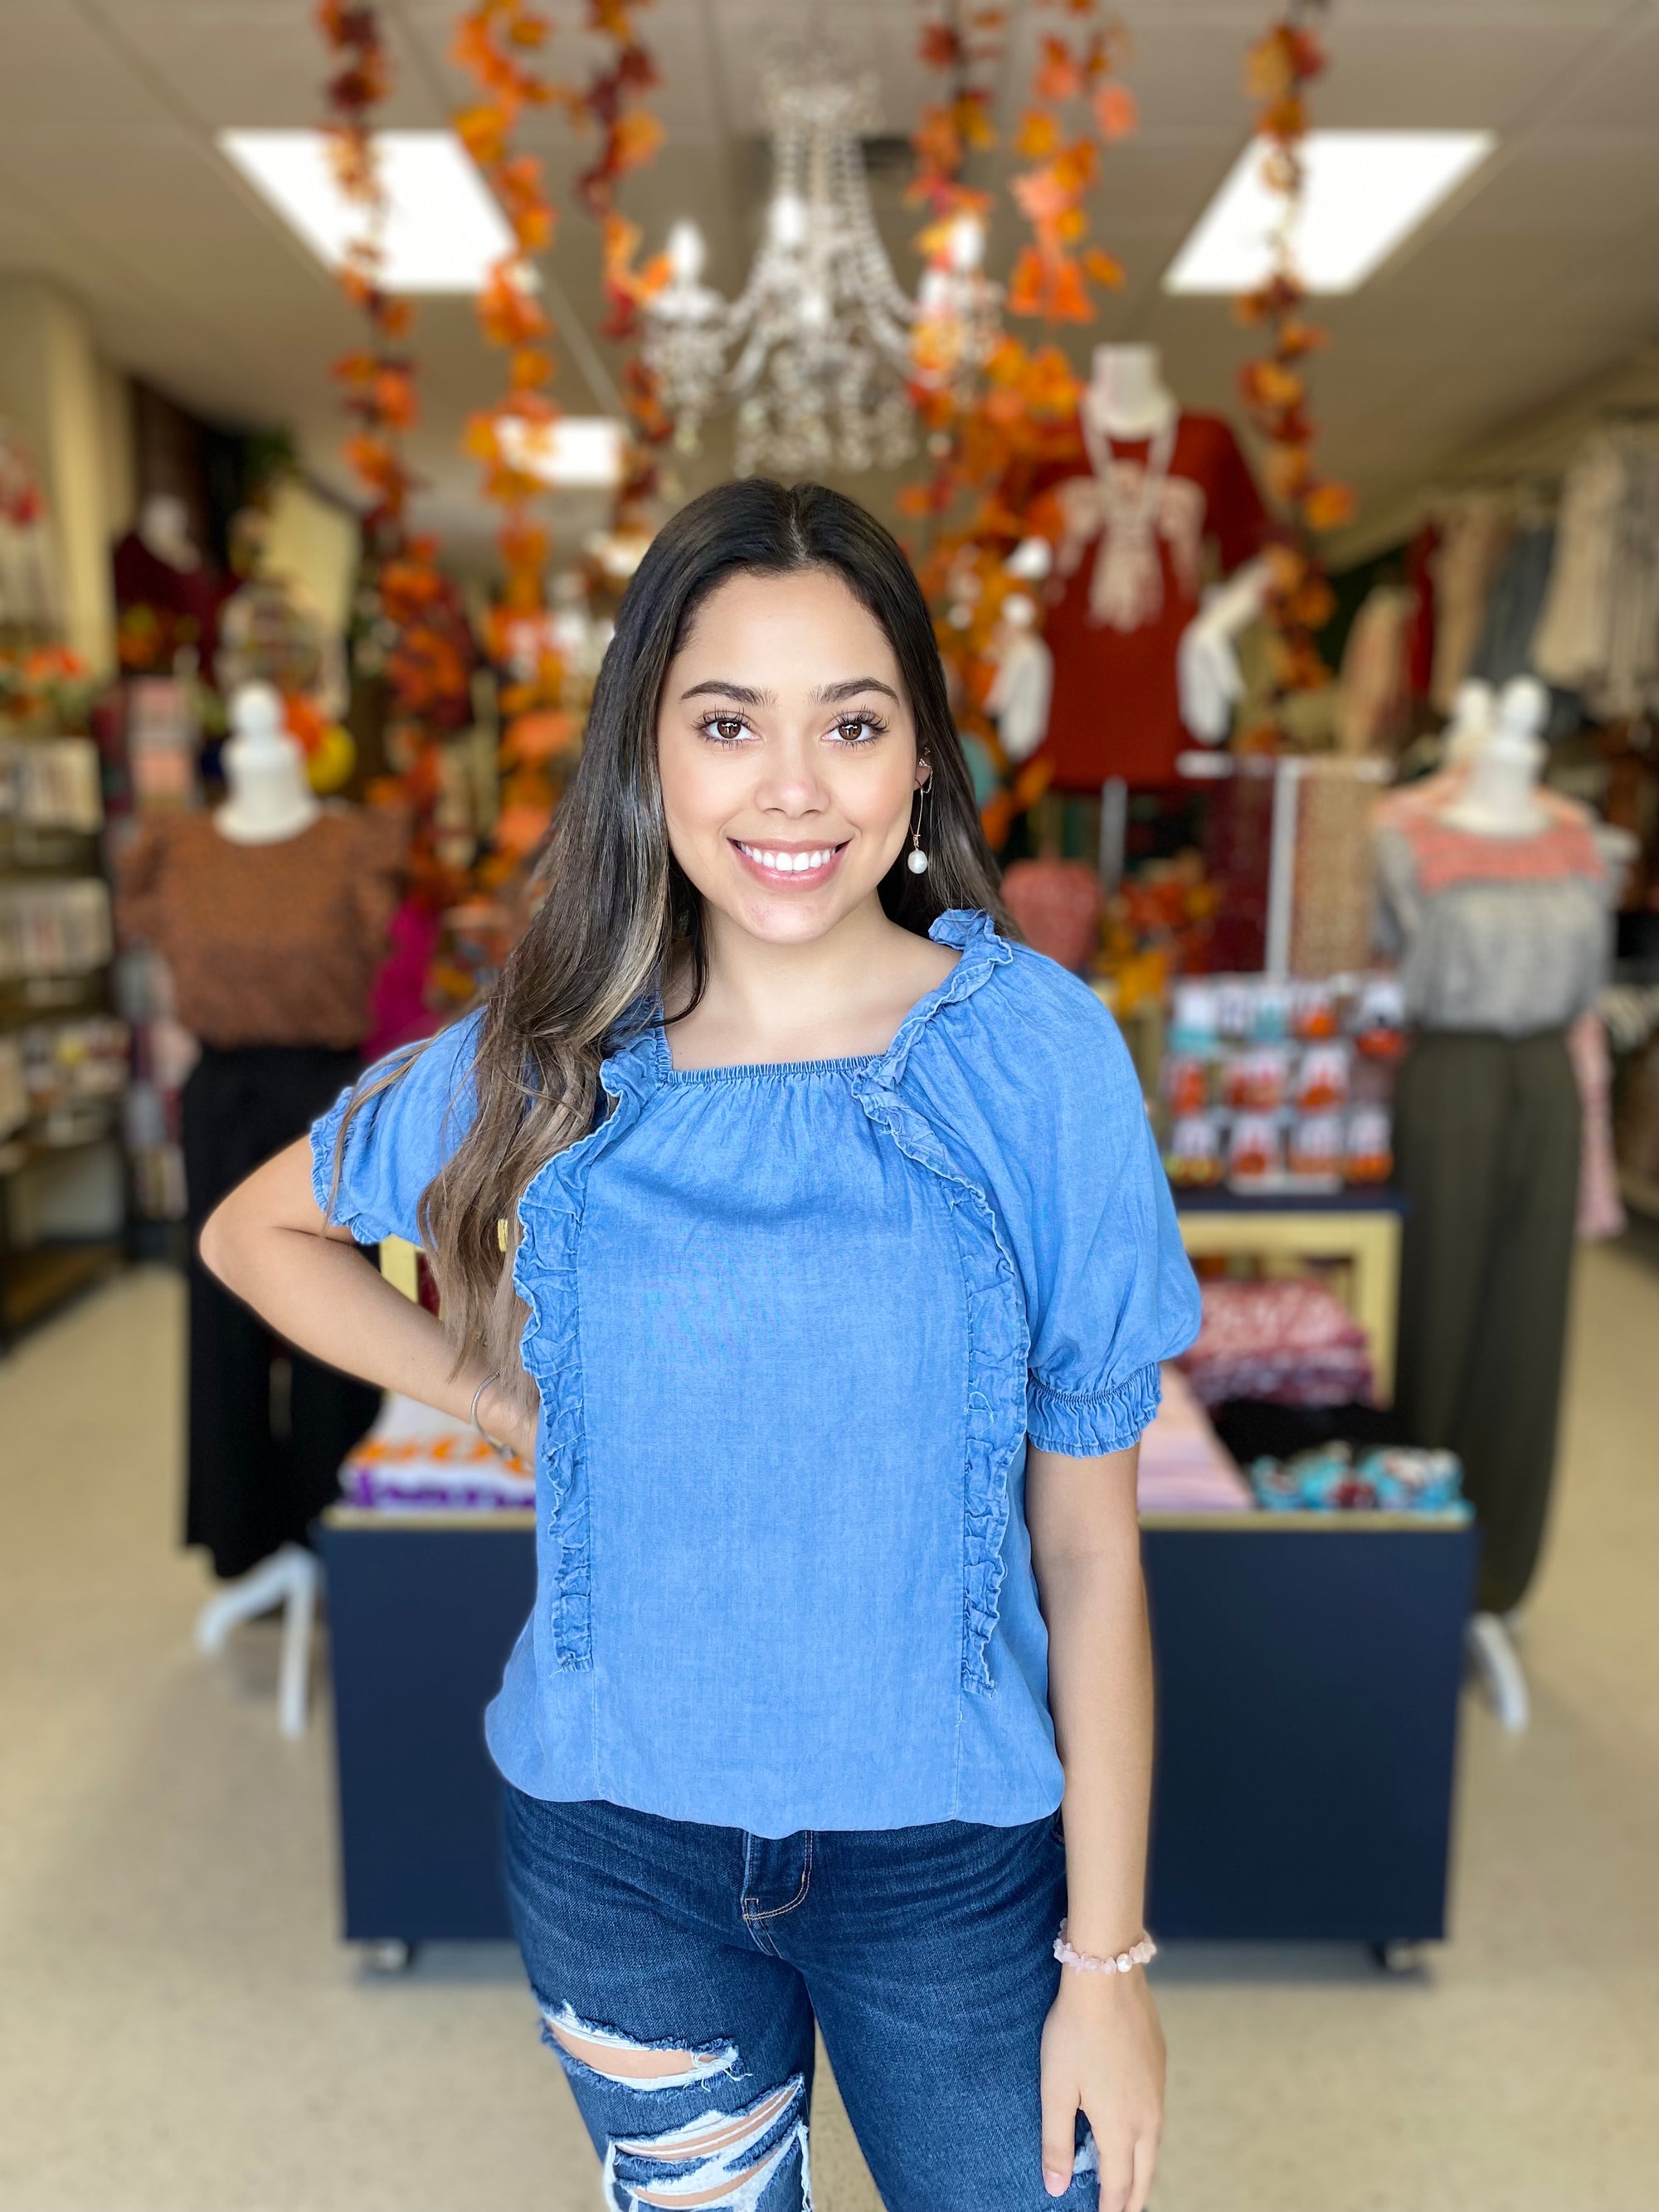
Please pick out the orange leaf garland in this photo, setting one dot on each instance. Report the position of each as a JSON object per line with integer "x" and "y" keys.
{"x": 1278, "y": 68}
{"x": 497, "y": 43}
{"x": 986, "y": 437}
{"x": 429, "y": 655}
{"x": 1052, "y": 277}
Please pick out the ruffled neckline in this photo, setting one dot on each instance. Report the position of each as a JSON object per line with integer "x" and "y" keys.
{"x": 643, "y": 1064}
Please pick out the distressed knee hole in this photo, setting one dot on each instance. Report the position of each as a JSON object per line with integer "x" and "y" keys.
{"x": 719, "y": 2162}
{"x": 634, "y": 2064}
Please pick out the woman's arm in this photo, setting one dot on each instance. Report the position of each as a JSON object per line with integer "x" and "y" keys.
{"x": 1102, "y": 2047}
{"x": 269, "y": 1244}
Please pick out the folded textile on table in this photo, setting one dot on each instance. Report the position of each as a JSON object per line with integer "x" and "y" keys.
{"x": 416, "y": 1461}
{"x": 1391, "y": 1479}
{"x": 1292, "y": 1343}
{"x": 1184, "y": 1466}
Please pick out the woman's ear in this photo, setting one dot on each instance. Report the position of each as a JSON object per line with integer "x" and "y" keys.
{"x": 924, "y": 769}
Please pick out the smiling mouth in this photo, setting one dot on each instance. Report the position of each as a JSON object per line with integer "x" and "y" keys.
{"x": 801, "y": 867}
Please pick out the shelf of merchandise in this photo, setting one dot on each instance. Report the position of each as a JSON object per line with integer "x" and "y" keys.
{"x": 1309, "y": 1670}
{"x": 35, "y": 1279}
{"x": 1359, "y": 1227}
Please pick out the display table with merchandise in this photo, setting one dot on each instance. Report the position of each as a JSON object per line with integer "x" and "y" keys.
{"x": 1359, "y": 1230}
{"x": 1308, "y": 1667}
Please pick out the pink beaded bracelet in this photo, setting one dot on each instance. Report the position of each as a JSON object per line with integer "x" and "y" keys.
{"x": 1139, "y": 1953}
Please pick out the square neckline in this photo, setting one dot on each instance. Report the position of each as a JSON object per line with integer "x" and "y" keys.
{"x": 763, "y": 1071}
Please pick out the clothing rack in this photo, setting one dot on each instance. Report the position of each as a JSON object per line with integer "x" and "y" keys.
{"x": 1288, "y": 771}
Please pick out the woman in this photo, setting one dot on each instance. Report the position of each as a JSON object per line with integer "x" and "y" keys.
{"x": 809, "y": 1236}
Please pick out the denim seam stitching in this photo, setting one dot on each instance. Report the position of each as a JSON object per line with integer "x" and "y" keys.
{"x": 776, "y": 1912}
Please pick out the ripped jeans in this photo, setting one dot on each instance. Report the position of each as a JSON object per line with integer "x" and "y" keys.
{"x": 678, "y": 1970}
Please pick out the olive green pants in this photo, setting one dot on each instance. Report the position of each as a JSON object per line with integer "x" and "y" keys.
{"x": 1487, "y": 1134}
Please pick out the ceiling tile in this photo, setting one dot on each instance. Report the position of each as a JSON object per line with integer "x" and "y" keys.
{"x": 63, "y": 83}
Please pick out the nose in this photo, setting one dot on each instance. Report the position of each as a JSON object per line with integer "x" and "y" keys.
{"x": 791, "y": 779}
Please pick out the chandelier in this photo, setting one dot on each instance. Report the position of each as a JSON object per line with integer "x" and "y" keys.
{"x": 818, "y": 351}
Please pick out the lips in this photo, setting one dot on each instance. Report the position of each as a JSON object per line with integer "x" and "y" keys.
{"x": 793, "y": 867}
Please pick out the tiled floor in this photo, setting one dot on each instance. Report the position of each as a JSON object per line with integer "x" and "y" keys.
{"x": 180, "y": 2032}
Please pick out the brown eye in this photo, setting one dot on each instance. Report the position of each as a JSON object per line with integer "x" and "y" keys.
{"x": 728, "y": 728}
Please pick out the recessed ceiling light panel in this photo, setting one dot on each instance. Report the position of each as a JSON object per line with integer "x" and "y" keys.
{"x": 1364, "y": 191}
{"x": 443, "y": 227}
{"x": 572, "y": 452}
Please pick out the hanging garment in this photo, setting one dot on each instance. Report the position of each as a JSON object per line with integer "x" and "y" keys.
{"x": 1420, "y": 581}
{"x": 1130, "y": 541}
{"x": 273, "y": 943}
{"x": 30, "y": 595}
{"x": 1522, "y": 579}
{"x": 1375, "y": 714}
{"x": 1474, "y": 533}
{"x": 164, "y": 609}
{"x": 1601, "y": 1209}
{"x": 1486, "y": 1133}
{"x": 1333, "y": 897}
{"x": 1598, "y": 633}
{"x": 256, "y": 1480}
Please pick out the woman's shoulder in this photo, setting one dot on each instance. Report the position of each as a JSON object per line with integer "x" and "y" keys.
{"x": 1030, "y": 1032}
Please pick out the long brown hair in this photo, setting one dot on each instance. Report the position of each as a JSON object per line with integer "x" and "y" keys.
{"x": 619, "y": 915}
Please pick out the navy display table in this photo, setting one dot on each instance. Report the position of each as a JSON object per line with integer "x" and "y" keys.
{"x": 1308, "y": 1666}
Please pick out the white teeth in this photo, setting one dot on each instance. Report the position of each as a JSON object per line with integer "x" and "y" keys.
{"x": 786, "y": 863}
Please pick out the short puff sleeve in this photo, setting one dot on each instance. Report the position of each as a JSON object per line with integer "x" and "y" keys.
{"x": 370, "y": 1179}
{"x": 1109, "y": 1290}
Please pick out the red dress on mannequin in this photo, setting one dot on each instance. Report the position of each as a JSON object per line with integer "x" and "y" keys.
{"x": 1128, "y": 571}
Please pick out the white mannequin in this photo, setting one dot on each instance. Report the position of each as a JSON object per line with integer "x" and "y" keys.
{"x": 1021, "y": 688}
{"x": 1499, "y": 797}
{"x": 270, "y": 799}
{"x": 163, "y": 529}
{"x": 1126, "y": 397}
{"x": 1474, "y": 718}
{"x": 1127, "y": 400}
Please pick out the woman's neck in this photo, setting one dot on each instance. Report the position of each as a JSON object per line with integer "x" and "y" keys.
{"x": 841, "y": 996}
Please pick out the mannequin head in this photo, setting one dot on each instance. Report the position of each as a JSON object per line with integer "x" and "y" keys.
{"x": 1499, "y": 796}
{"x": 266, "y": 770}
{"x": 1474, "y": 716}
{"x": 164, "y": 529}
{"x": 1126, "y": 395}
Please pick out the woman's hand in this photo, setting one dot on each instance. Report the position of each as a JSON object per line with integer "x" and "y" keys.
{"x": 1103, "y": 2048}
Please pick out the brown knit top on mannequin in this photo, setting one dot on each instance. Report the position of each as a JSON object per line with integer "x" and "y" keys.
{"x": 272, "y": 944}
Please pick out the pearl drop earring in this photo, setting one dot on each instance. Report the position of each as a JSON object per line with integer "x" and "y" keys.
{"x": 917, "y": 862}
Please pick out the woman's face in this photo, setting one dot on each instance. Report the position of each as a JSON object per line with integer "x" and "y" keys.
{"x": 787, "y": 751}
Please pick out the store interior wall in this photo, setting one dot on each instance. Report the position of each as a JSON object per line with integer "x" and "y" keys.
{"x": 53, "y": 387}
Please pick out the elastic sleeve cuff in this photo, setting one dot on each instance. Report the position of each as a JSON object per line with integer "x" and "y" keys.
{"x": 1081, "y": 1424}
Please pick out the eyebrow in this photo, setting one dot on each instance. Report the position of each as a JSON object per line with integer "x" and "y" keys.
{"x": 831, "y": 695}
{"x": 827, "y": 695}
{"x": 742, "y": 692}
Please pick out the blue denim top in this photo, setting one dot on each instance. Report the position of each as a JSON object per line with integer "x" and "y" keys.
{"x": 792, "y": 1326}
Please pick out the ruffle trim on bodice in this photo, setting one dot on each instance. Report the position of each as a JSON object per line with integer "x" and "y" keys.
{"x": 998, "y": 1336}
{"x": 544, "y": 1277}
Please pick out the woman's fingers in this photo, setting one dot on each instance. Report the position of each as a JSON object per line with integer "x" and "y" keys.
{"x": 1145, "y": 2166}
{"x": 1117, "y": 2175}
{"x": 1060, "y": 2104}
